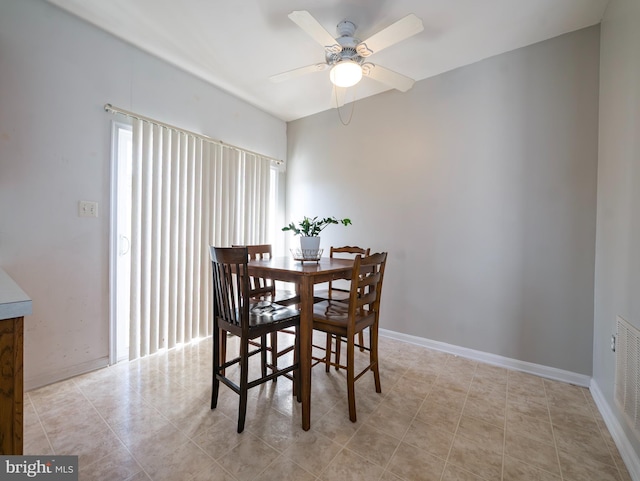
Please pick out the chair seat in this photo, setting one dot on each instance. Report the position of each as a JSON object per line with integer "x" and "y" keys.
{"x": 266, "y": 312}
{"x": 336, "y": 314}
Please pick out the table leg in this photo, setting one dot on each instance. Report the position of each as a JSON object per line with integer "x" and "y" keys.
{"x": 306, "y": 334}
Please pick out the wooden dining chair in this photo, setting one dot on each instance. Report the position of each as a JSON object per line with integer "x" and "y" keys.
{"x": 236, "y": 312}
{"x": 264, "y": 289}
{"x": 339, "y": 290}
{"x": 345, "y": 319}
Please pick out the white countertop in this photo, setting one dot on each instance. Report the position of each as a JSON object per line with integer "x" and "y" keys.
{"x": 13, "y": 300}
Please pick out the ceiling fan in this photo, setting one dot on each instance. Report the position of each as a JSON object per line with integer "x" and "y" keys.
{"x": 346, "y": 55}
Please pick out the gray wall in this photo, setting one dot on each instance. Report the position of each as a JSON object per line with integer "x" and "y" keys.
{"x": 617, "y": 280}
{"x": 56, "y": 74}
{"x": 481, "y": 185}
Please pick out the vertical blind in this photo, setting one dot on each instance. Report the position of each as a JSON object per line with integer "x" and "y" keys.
{"x": 187, "y": 193}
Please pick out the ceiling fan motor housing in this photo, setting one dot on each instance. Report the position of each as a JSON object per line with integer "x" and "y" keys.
{"x": 346, "y": 28}
{"x": 348, "y": 42}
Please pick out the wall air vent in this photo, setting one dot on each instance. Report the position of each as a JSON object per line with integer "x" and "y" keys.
{"x": 627, "y": 347}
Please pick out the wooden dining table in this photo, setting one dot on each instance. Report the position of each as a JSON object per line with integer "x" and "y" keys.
{"x": 305, "y": 274}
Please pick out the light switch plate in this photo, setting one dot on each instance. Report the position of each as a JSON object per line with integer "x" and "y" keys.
{"x": 87, "y": 209}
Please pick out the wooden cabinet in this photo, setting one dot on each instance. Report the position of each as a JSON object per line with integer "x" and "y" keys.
{"x": 11, "y": 385}
{"x": 14, "y": 305}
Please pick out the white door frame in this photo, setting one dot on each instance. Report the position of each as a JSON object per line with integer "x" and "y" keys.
{"x": 114, "y": 240}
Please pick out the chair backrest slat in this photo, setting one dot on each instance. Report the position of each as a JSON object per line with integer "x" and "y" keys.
{"x": 345, "y": 252}
{"x": 366, "y": 284}
{"x": 260, "y": 285}
{"x": 231, "y": 284}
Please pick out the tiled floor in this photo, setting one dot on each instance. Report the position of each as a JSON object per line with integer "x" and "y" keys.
{"x": 439, "y": 417}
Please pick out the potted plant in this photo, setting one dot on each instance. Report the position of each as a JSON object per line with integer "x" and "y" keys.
{"x": 309, "y": 231}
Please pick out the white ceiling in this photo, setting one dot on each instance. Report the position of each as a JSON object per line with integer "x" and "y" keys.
{"x": 238, "y": 45}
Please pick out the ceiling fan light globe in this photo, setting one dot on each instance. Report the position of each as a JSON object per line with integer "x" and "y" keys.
{"x": 345, "y": 73}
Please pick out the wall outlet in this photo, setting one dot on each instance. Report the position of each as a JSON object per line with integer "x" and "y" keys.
{"x": 613, "y": 342}
{"x": 87, "y": 209}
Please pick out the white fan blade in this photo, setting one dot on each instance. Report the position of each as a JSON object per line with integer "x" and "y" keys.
{"x": 388, "y": 77}
{"x": 306, "y": 22}
{"x": 394, "y": 33}
{"x": 281, "y": 77}
{"x": 338, "y": 96}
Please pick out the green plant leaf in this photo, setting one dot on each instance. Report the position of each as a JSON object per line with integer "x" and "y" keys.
{"x": 311, "y": 227}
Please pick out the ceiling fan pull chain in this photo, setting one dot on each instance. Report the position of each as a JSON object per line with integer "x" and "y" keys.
{"x": 353, "y": 105}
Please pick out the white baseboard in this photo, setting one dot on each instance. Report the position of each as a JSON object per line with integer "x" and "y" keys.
{"x": 506, "y": 362}
{"x": 618, "y": 434}
{"x": 62, "y": 374}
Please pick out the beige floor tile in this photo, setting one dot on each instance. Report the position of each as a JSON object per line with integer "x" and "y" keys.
{"x": 412, "y": 386}
{"x": 574, "y": 420}
{"x": 488, "y": 390}
{"x": 29, "y": 415}
{"x": 586, "y": 469}
{"x": 491, "y": 435}
{"x": 540, "y": 455}
{"x": 219, "y": 439}
{"x": 389, "y": 476}
{"x": 493, "y": 374}
{"x": 525, "y": 380}
{"x": 489, "y": 411}
{"x": 373, "y": 444}
{"x": 429, "y": 439}
{"x": 475, "y": 456}
{"x": 184, "y": 461}
{"x": 455, "y": 473}
{"x": 410, "y": 462}
{"x": 141, "y": 476}
{"x": 276, "y": 429}
{"x": 115, "y": 409}
{"x": 196, "y": 419}
{"x": 284, "y": 469}
{"x": 118, "y": 465}
{"x": 454, "y": 380}
{"x": 213, "y": 472}
{"x": 461, "y": 365}
{"x": 525, "y": 387}
{"x": 91, "y": 443}
{"x": 35, "y": 441}
{"x": 336, "y": 425}
{"x": 522, "y": 395}
{"x": 450, "y": 396}
{"x": 522, "y": 425}
{"x": 425, "y": 374}
{"x": 144, "y": 429}
{"x": 533, "y": 409}
{"x": 406, "y": 403}
{"x": 349, "y": 466}
{"x": 56, "y": 396}
{"x": 516, "y": 470}
{"x": 249, "y": 458}
{"x": 440, "y": 416}
{"x": 580, "y": 443}
{"x": 313, "y": 451}
{"x": 367, "y": 399}
{"x": 563, "y": 394}
{"x": 390, "y": 421}
{"x": 79, "y": 416}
